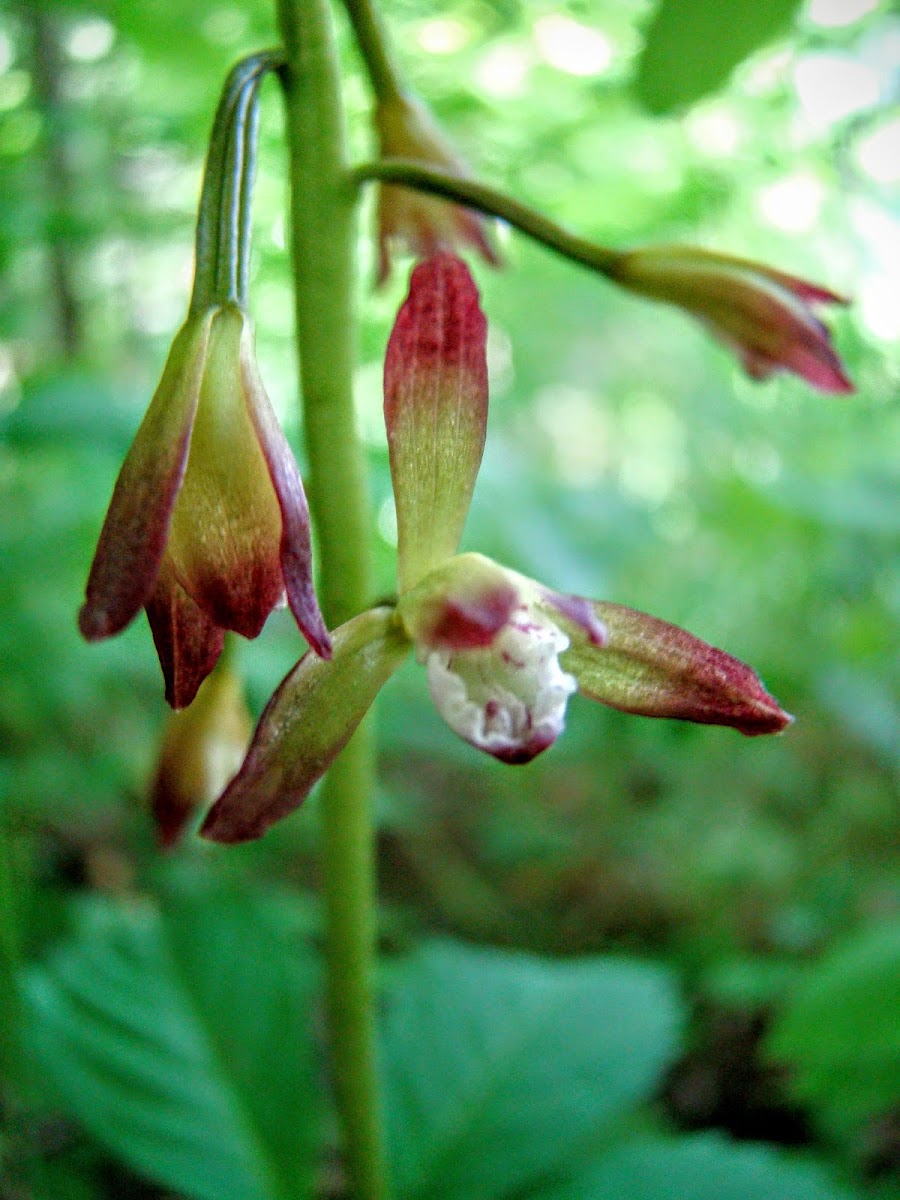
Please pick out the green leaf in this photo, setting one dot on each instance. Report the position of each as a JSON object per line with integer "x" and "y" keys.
{"x": 692, "y": 46}
{"x": 500, "y": 1069}
{"x": 840, "y": 1032}
{"x": 182, "y": 1043}
{"x": 704, "y": 1167}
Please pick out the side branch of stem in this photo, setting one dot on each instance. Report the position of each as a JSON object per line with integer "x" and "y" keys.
{"x": 493, "y": 203}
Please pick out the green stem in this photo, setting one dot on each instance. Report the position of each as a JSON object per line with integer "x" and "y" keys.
{"x": 232, "y": 185}
{"x": 244, "y": 202}
{"x": 495, "y": 204}
{"x": 371, "y": 36}
{"x": 323, "y": 207}
{"x": 223, "y": 224}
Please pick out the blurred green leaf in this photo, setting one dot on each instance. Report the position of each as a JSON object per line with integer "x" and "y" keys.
{"x": 705, "y": 1167}
{"x": 502, "y": 1069}
{"x": 692, "y": 46}
{"x": 840, "y": 1031}
{"x": 77, "y": 409}
{"x": 182, "y": 1043}
{"x": 70, "y": 1174}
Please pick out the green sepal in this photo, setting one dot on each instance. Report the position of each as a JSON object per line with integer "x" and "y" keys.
{"x": 306, "y": 724}
{"x": 649, "y": 667}
{"x": 435, "y": 412}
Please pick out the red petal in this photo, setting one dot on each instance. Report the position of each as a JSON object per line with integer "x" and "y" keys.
{"x": 137, "y": 524}
{"x": 296, "y": 551}
{"x": 187, "y": 641}
{"x": 435, "y": 410}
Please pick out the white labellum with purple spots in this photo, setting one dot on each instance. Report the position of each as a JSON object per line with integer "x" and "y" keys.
{"x": 509, "y": 698}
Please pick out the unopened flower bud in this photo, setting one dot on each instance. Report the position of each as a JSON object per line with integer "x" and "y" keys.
{"x": 422, "y": 224}
{"x": 208, "y": 525}
{"x": 201, "y": 750}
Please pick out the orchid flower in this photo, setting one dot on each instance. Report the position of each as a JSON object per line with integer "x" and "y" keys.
{"x": 208, "y": 526}
{"x": 765, "y": 315}
{"x": 503, "y": 653}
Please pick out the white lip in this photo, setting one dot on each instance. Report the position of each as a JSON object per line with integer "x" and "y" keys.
{"x": 510, "y": 698}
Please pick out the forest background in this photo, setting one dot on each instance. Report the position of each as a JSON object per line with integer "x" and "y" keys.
{"x": 740, "y": 894}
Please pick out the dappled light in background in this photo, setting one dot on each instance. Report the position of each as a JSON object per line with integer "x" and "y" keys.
{"x": 628, "y": 456}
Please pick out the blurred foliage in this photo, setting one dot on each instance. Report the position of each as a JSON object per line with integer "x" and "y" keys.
{"x": 725, "y": 904}
{"x": 840, "y": 1029}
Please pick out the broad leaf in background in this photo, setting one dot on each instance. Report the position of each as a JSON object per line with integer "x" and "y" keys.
{"x": 840, "y": 1031}
{"x": 183, "y": 1043}
{"x": 692, "y": 46}
{"x": 501, "y": 1070}
{"x": 704, "y": 1167}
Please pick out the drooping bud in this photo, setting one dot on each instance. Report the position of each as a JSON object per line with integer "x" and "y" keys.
{"x": 765, "y": 315}
{"x": 210, "y": 488}
{"x": 201, "y": 750}
{"x": 423, "y": 224}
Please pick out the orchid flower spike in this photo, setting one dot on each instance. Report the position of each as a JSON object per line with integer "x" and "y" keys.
{"x": 422, "y": 224}
{"x": 765, "y": 316}
{"x": 503, "y": 653}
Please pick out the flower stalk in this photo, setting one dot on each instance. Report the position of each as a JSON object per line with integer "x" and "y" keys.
{"x": 323, "y": 203}
{"x": 493, "y": 203}
{"x": 375, "y": 49}
{"x": 768, "y": 318}
{"x": 222, "y": 251}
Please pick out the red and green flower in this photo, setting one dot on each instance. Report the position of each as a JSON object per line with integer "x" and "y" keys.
{"x": 503, "y": 653}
